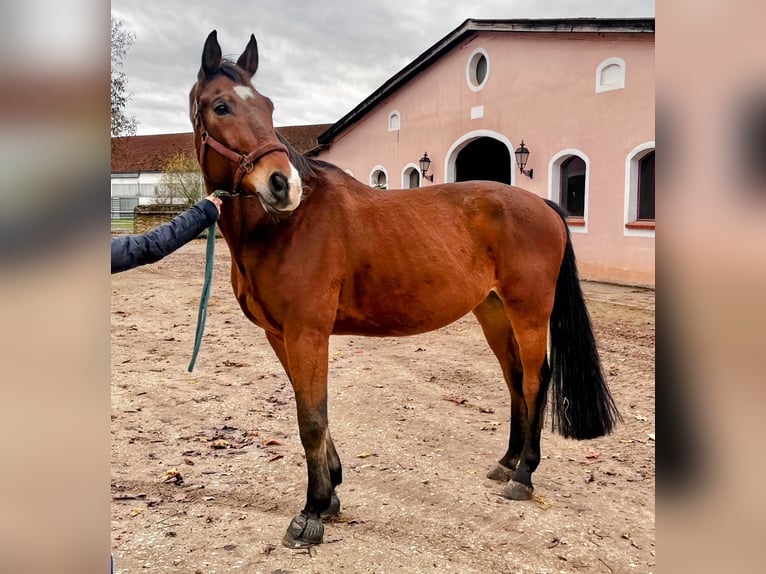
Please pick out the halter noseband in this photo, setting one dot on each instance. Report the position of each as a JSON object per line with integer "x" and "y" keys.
{"x": 245, "y": 163}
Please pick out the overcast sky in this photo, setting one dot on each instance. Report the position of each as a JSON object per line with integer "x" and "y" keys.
{"x": 318, "y": 58}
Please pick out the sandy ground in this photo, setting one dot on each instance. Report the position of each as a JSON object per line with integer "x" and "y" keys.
{"x": 418, "y": 422}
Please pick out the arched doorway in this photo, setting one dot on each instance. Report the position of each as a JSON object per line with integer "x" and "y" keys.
{"x": 484, "y": 158}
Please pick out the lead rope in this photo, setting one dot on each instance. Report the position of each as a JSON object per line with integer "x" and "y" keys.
{"x": 202, "y": 314}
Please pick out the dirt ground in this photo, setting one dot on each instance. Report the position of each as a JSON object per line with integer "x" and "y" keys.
{"x": 417, "y": 421}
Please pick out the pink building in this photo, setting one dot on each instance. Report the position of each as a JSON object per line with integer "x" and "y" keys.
{"x": 578, "y": 92}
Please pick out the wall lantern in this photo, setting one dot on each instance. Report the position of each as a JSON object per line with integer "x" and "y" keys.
{"x": 522, "y": 154}
{"x": 425, "y": 163}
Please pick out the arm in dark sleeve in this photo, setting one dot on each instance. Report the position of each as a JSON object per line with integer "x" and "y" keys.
{"x": 134, "y": 250}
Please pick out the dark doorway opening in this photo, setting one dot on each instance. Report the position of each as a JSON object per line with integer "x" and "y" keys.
{"x": 484, "y": 158}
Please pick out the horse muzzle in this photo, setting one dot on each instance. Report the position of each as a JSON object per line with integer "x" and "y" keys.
{"x": 278, "y": 193}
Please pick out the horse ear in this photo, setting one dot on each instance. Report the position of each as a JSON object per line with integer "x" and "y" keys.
{"x": 211, "y": 56}
{"x": 249, "y": 58}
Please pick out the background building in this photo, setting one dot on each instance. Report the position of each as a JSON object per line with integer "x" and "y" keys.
{"x": 578, "y": 92}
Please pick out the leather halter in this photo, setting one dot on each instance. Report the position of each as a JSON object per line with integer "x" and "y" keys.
{"x": 245, "y": 162}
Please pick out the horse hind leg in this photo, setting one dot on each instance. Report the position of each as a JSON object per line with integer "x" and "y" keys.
{"x": 499, "y": 334}
{"x": 505, "y": 467}
{"x": 531, "y": 331}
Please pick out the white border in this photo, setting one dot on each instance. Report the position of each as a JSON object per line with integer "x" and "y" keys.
{"x": 609, "y": 87}
{"x": 469, "y": 70}
{"x": 464, "y": 140}
{"x": 631, "y": 190}
{"x": 389, "y": 121}
{"x": 385, "y": 172}
{"x": 407, "y": 180}
{"x": 554, "y": 182}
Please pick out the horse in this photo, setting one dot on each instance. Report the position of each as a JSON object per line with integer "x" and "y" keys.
{"x": 316, "y": 252}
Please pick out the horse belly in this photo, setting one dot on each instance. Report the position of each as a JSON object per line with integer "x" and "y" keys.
{"x": 389, "y": 309}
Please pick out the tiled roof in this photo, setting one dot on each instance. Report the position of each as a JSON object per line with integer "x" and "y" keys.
{"x": 148, "y": 153}
{"x": 131, "y": 154}
{"x": 304, "y": 138}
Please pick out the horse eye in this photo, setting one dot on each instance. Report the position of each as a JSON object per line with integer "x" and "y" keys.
{"x": 221, "y": 109}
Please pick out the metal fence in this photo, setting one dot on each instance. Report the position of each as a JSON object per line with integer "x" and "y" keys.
{"x": 135, "y": 189}
{"x": 122, "y": 207}
{"x": 127, "y": 196}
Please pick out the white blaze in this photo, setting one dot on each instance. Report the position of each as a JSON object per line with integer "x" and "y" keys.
{"x": 244, "y": 92}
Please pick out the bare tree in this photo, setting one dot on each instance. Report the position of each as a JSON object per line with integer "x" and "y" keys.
{"x": 181, "y": 180}
{"x": 122, "y": 124}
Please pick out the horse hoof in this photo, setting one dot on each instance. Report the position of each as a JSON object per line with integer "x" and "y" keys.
{"x": 518, "y": 491}
{"x": 303, "y": 532}
{"x": 500, "y": 473}
{"x": 333, "y": 509}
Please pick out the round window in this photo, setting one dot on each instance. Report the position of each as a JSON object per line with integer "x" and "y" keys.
{"x": 478, "y": 69}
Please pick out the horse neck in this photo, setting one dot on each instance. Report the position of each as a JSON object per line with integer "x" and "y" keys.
{"x": 239, "y": 219}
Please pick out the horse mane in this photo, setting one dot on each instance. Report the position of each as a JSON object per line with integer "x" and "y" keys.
{"x": 306, "y": 166}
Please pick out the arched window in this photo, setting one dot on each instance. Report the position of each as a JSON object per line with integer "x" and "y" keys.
{"x": 639, "y": 191}
{"x": 610, "y": 75}
{"x": 646, "y": 188}
{"x": 572, "y": 186}
{"x": 568, "y": 185}
{"x": 410, "y": 177}
{"x": 394, "y": 121}
{"x": 414, "y": 179}
{"x": 379, "y": 178}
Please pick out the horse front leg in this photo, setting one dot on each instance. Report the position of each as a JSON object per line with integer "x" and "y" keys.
{"x": 307, "y": 353}
{"x": 336, "y": 477}
{"x": 333, "y": 460}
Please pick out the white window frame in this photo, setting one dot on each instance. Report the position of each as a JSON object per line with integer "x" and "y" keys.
{"x": 406, "y": 179}
{"x": 631, "y": 189}
{"x": 470, "y": 70}
{"x": 554, "y": 183}
{"x": 619, "y": 85}
{"x": 385, "y": 172}
{"x": 398, "y": 116}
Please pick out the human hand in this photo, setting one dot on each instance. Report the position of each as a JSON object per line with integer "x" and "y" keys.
{"x": 216, "y": 201}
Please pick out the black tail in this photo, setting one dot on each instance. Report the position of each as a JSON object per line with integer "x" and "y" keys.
{"x": 582, "y": 405}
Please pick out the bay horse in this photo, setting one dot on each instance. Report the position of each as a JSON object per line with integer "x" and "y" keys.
{"x": 319, "y": 253}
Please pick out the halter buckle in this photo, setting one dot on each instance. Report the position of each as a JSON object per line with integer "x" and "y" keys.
{"x": 247, "y": 166}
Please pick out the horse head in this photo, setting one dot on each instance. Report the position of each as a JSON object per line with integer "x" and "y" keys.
{"x": 237, "y": 146}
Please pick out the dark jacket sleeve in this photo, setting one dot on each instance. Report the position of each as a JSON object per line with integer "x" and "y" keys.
{"x": 133, "y": 250}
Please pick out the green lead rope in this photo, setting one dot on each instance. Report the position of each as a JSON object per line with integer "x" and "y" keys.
{"x": 202, "y": 315}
